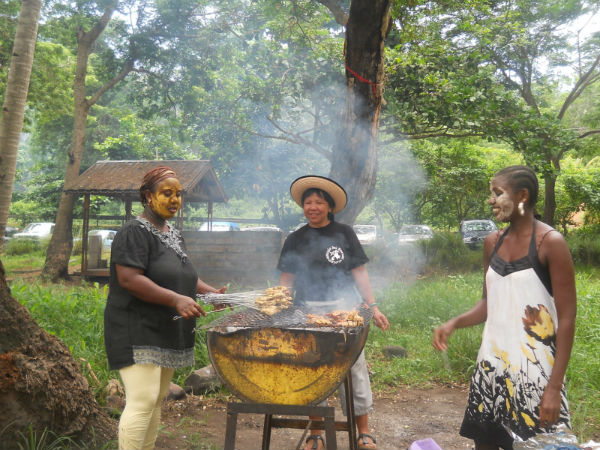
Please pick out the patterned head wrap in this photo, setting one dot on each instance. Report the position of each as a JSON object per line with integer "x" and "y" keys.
{"x": 153, "y": 177}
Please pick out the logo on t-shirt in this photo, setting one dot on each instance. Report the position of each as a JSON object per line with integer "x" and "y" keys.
{"x": 334, "y": 255}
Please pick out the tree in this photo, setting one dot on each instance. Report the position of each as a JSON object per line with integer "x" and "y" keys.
{"x": 61, "y": 243}
{"x": 136, "y": 46}
{"x": 354, "y": 155}
{"x": 509, "y": 53}
{"x": 13, "y": 109}
{"x": 41, "y": 385}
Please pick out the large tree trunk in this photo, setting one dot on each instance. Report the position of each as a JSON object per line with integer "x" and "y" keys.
{"x": 13, "y": 109}
{"x": 354, "y": 162}
{"x": 41, "y": 384}
{"x": 56, "y": 265}
{"x": 549, "y": 198}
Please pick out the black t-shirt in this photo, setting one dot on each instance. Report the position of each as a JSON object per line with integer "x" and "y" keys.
{"x": 136, "y": 331}
{"x": 321, "y": 260}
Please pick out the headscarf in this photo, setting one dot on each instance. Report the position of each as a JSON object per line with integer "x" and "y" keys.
{"x": 153, "y": 177}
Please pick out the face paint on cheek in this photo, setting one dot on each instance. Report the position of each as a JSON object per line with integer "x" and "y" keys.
{"x": 166, "y": 201}
{"x": 506, "y": 206}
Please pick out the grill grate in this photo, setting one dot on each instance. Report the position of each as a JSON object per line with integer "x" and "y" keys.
{"x": 288, "y": 318}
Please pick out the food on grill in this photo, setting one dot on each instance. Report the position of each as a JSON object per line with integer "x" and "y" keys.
{"x": 273, "y": 300}
{"x": 337, "y": 318}
{"x": 318, "y": 321}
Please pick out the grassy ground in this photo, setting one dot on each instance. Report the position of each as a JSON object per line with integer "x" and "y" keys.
{"x": 75, "y": 315}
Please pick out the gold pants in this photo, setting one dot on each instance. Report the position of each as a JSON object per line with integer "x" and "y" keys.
{"x": 146, "y": 385}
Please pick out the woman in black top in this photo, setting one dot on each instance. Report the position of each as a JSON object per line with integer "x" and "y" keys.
{"x": 322, "y": 263}
{"x": 151, "y": 281}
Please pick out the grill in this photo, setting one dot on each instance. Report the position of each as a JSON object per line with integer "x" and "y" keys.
{"x": 281, "y": 359}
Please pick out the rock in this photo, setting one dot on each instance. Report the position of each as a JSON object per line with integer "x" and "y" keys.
{"x": 114, "y": 388}
{"x": 202, "y": 381}
{"x": 175, "y": 392}
{"x": 394, "y": 351}
{"x": 115, "y": 405}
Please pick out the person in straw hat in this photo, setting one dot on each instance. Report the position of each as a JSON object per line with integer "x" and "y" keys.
{"x": 323, "y": 263}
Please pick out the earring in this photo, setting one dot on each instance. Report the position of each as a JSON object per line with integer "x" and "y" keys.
{"x": 521, "y": 208}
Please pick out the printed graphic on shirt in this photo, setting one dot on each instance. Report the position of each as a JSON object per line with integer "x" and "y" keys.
{"x": 334, "y": 255}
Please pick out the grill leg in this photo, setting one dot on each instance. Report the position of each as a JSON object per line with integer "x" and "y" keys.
{"x": 350, "y": 411}
{"x": 266, "y": 441}
{"x": 230, "y": 429}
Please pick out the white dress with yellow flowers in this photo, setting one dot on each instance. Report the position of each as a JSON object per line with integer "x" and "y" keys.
{"x": 516, "y": 354}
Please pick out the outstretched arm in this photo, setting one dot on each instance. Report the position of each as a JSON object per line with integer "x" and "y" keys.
{"x": 363, "y": 284}
{"x": 477, "y": 314}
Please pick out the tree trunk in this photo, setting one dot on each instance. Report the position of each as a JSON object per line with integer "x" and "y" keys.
{"x": 41, "y": 384}
{"x": 354, "y": 162}
{"x": 13, "y": 110}
{"x": 549, "y": 198}
{"x": 56, "y": 265}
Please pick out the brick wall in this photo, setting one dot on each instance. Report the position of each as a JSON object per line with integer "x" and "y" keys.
{"x": 244, "y": 258}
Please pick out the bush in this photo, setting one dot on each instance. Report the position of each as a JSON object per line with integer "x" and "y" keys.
{"x": 447, "y": 251}
{"x": 21, "y": 247}
{"x": 584, "y": 244}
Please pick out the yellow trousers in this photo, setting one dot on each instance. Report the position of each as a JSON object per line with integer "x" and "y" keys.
{"x": 146, "y": 386}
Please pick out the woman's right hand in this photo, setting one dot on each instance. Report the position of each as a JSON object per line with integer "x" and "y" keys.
{"x": 441, "y": 335}
{"x": 187, "y": 307}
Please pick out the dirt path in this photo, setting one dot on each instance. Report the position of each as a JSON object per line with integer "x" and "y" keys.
{"x": 398, "y": 419}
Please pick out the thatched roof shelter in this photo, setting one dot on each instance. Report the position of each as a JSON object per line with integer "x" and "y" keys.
{"x": 122, "y": 180}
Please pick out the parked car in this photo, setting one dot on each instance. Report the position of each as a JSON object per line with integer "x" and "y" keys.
{"x": 36, "y": 230}
{"x": 367, "y": 234}
{"x": 9, "y": 232}
{"x": 107, "y": 237}
{"x": 219, "y": 226}
{"x": 473, "y": 232}
{"x": 413, "y": 233}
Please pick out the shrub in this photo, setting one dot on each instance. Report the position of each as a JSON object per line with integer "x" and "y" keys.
{"x": 584, "y": 244}
{"x": 446, "y": 251}
{"x": 21, "y": 247}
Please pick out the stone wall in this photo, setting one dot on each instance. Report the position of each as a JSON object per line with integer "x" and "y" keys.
{"x": 242, "y": 258}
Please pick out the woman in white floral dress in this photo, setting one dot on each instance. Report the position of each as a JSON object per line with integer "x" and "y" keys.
{"x": 528, "y": 306}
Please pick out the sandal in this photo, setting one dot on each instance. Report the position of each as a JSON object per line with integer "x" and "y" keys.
{"x": 315, "y": 438}
{"x": 364, "y": 445}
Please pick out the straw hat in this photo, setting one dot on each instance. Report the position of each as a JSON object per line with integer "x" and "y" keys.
{"x": 337, "y": 192}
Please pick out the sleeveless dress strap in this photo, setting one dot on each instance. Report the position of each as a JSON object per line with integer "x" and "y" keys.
{"x": 542, "y": 271}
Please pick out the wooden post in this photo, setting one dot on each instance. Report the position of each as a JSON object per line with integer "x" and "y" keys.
{"x": 84, "y": 235}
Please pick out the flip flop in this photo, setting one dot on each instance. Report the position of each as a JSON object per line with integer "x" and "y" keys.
{"x": 315, "y": 438}
{"x": 364, "y": 445}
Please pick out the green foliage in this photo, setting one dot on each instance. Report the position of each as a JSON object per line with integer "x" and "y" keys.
{"x": 584, "y": 244}
{"x": 22, "y": 247}
{"x": 446, "y": 251}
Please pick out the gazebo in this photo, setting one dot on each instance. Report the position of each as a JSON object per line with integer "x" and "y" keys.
{"x": 122, "y": 179}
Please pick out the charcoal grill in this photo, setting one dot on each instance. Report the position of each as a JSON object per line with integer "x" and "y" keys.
{"x": 281, "y": 359}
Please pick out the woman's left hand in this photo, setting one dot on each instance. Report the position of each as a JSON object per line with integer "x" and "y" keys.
{"x": 550, "y": 407}
{"x": 379, "y": 319}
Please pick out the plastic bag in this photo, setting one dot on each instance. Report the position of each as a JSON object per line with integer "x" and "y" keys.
{"x": 561, "y": 439}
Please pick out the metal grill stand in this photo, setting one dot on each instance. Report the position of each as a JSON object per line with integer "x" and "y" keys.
{"x": 327, "y": 412}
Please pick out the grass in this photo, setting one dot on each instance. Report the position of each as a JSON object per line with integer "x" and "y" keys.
{"x": 75, "y": 315}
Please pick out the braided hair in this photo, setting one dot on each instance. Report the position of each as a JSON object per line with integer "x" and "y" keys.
{"x": 522, "y": 177}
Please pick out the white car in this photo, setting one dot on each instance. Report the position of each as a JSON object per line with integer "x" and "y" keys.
{"x": 219, "y": 226}
{"x": 36, "y": 230}
{"x": 413, "y": 233}
{"x": 367, "y": 234}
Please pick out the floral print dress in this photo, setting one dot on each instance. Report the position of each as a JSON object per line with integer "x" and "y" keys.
{"x": 516, "y": 354}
